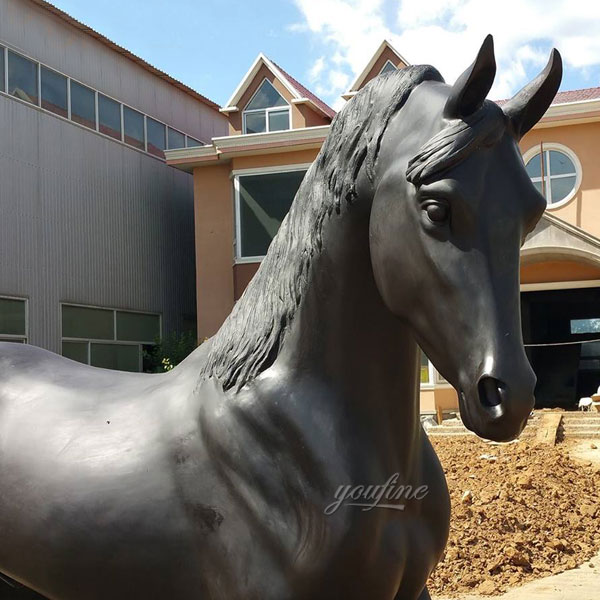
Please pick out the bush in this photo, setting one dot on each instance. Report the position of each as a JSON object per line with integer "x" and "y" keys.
{"x": 169, "y": 352}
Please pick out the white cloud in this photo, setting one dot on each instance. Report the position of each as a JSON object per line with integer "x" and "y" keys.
{"x": 317, "y": 68}
{"x": 447, "y": 34}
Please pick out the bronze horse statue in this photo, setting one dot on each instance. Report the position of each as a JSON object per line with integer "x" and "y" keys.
{"x": 250, "y": 471}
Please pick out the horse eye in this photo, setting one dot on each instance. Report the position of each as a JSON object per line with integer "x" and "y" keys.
{"x": 437, "y": 212}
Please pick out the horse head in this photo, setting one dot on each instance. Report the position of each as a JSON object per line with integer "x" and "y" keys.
{"x": 451, "y": 206}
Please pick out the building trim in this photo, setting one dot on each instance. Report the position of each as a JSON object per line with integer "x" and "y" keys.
{"x": 224, "y": 148}
{"x": 559, "y": 285}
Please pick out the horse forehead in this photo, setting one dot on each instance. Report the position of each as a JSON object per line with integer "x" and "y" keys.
{"x": 419, "y": 119}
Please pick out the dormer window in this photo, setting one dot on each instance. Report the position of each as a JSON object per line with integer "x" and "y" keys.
{"x": 388, "y": 68}
{"x": 267, "y": 110}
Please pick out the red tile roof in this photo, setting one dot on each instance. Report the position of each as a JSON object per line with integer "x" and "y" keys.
{"x": 306, "y": 93}
{"x": 123, "y": 52}
{"x": 571, "y": 96}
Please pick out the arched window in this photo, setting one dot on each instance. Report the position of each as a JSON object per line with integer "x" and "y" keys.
{"x": 388, "y": 68}
{"x": 556, "y": 172}
{"x": 267, "y": 110}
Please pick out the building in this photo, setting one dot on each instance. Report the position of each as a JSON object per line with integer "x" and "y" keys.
{"x": 96, "y": 230}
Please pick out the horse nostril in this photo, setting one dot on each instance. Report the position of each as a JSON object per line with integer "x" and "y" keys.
{"x": 491, "y": 391}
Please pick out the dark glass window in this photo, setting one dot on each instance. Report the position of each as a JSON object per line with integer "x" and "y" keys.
{"x": 54, "y": 92}
{"x": 264, "y": 200}
{"x": 2, "y": 69}
{"x": 176, "y": 139}
{"x": 389, "y": 67}
{"x": 266, "y": 111}
{"x": 134, "y": 127}
{"x": 22, "y": 78}
{"x": 279, "y": 120}
{"x": 137, "y": 327}
{"x": 12, "y": 317}
{"x": 83, "y": 105}
{"x": 87, "y": 323}
{"x": 76, "y": 351}
{"x": 156, "y": 137}
{"x": 560, "y": 175}
{"x": 256, "y": 122}
{"x": 109, "y": 117}
{"x": 193, "y": 143}
{"x": 122, "y": 357}
{"x": 266, "y": 97}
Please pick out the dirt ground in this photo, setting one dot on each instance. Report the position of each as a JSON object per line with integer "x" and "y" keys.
{"x": 520, "y": 512}
{"x": 582, "y": 583}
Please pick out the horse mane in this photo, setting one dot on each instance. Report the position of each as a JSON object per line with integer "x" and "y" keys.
{"x": 455, "y": 142}
{"x": 250, "y": 338}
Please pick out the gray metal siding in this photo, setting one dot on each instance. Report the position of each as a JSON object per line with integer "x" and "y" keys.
{"x": 85, "y": 219}
{"x": 43, "y": 36}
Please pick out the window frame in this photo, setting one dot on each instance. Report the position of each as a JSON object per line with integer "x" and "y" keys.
{"x": 89, "y": 341}
{"x": 235, "y": 176}
{"x": 548, "y": 147}
{"x": 38, "y": 68}
{"x": 266, "y": 111}
{"x": 388, "y": 61}
{"x": 4, "y": 82}
{"x": 10, "y": 336}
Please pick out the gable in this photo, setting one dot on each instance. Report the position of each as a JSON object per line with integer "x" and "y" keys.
{"x": 386, "y": 52}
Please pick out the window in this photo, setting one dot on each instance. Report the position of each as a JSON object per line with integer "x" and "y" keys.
{"x": 579, "y": 326}
{"x": 156, "y": 137}
{"x": 83, "y": 105}
{"x": 108, "y": 338}
{"x": 13, "y": 319}
{"x": 427, "y": 371}
{"x": 134, "y": 128}
{"x": 266, "y": 111}
{"x": 556, "y": 173}
{"x": 22, "y": 78}
{"x": 54, "y": 92}
{"x": 193, "y": 143}
{"x": 176, "y": 139}
{"x": 389, "y": 67}
{"x": 2, "y": 70}
{"x": 109, "y": 117}
{"x": 262, "y": 201}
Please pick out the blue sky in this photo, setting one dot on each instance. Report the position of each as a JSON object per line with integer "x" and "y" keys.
{"x": 210, "y": 44}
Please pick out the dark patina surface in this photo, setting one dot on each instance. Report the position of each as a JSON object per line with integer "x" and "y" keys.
{"x": 211, "y": 481}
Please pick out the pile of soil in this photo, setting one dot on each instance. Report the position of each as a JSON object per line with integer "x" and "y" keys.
{"x": 519, "y": 512}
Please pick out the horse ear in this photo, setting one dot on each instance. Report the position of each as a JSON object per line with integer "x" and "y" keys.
{"x": 528, "y": 106}
{"x": 471, "y": 88}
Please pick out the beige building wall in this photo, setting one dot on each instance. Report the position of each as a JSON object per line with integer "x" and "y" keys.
{"x": 219, "y": 281}
{"x": 583, "y": 210}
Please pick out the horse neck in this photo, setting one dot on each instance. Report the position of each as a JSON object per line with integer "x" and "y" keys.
{"x": 344, "y": 333}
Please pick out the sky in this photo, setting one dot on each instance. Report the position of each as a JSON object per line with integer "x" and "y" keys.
{"x": 210, "y": 44}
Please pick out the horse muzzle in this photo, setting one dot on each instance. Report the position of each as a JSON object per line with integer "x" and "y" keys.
{"x": 497, "y": 408}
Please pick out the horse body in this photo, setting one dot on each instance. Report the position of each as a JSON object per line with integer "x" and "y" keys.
{"x": 214, "y": 481}
{"x": 118, "y": 497}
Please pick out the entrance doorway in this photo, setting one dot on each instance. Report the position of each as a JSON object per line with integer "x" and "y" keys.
{"x": 560, "y": 329}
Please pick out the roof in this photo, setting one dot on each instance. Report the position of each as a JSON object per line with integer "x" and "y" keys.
{"x": 306, "y": 93}
{"x": 570, "y": 96}
{"x": 300, "y": 94}
{"x": 361, "y": 78}
{"x": 123, "y": 52}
